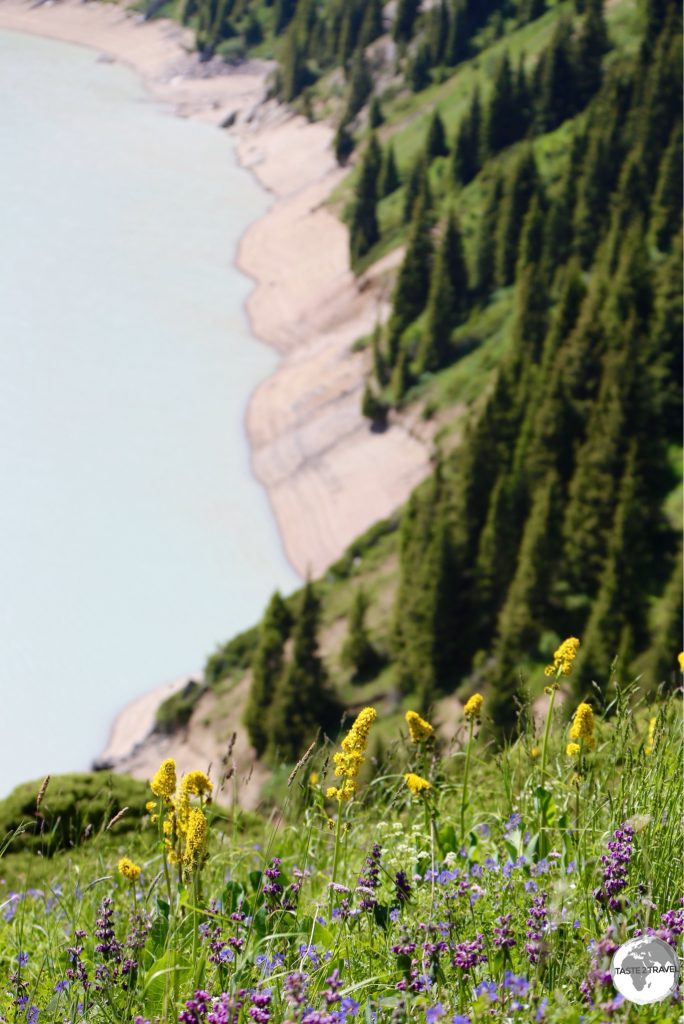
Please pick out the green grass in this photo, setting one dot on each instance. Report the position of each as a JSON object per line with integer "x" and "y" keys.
{"x": 507, "y": 840}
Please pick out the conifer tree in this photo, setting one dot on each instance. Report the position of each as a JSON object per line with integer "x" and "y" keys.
{"x": 437, "y": 32}
{"x": 457, "y": 44}
{"x": 358, "y": 653}
{"x": 499, "y": 129}
{"x": 666, "y": 215}
{"x": 389, "y": 176}
{"x": 521, "y": 186}
{"x": 417, "y": 187}
{"x": 360, "y": 85}
{"x": 372, "y": 24}
{"x": 592, "y": 43}
{"x": 379, "y": 364}
{"x": 343, "y": 143}
{"x": 530, "y": 10}
{"x": 267, "y": 666}
{"x": 364, "y": 231}
{"x": 375, "y": 115}
{"x": 293, "y": 68}
{"x": 302, "y": 701}
{"x": 413, "y": 281}
{"x": 404, "y": 20}
{"x": 284, "y": 11}
{"x": 466, "y": 157}
{"x": 556, "y": 78}
{"x": 419, "y": 69}
{"x": 436, "y": 144}
{"x": 486, "y": 244}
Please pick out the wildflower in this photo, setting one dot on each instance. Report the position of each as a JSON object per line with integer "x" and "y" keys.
{"x": 196, "y": 783}
{"x": 369, "y": 882}
{"x": 164, "y": 782}
{"x": 418, "y": 728}
{"x": 503, "y": 936}
{"x": 469, "y": 954}
{"x": 680, "y": 659}
{"x": 151, "y": 806}
{"x": 616, "y": 867}
{"x": 582, "y": 727}
{"x": 348, "y": 761}
{"x": 196, "y": 838}
{"x": 537, "y": 924}
{"x": 459, "y": 1018}
{"x": 313, "y": 778}
{"x": 535, "y": 752}
{"x": 572, "y": 749}
{"x": 473, "y": 707}
{"x": 22, "y": 959}
{"x": 416, "y": 784}
{"x": 434, "y": 1013}
{"x": 260, "y": 1008}
{"x": 402, "y": 887}
{"x": 563, "y": 658}
{"x": 648, "y": 749}
{"x": 129, "y": 870}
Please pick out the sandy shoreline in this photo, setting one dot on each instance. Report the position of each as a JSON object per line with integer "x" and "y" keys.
{"x": 328, "y": 477}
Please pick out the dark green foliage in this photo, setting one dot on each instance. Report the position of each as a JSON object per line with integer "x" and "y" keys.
{"x": 466, "y": 156}
{"x": 436, "y": 144}
{"x": 358, "y": 653}
{"x": 236, "y": 654}
{"x": 413, "y": 281}
{"x": 360, "y": 85}
{"x": 75, "y": 808}
{"x": 364, "y": 231}
{"x": 447, "y": 301}
{"x": 419, "y": 68}
{"x": 666, "y": 216}
{"x": 417, "y": 187}
{"x": 267, "y": 668}
{"x": 374, "y": 408}
{"x": 302, "y": 700}
{"x": 520, "y": 188}
{"x": 529, "y": 10}
{"x": 389, "y": 176}
{"x": 343, "y": 143}
{"x": 375, "y": 115}
{"x": 405, "y": 19}
{"x": 175, "y": 712}
{"x": 502, "y": 111}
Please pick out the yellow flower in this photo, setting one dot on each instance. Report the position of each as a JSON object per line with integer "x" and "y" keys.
{"x": 195, "y": 838}
{"x": 680, "y": 659}
{"x": 535, "y": 752}
{"x": 416, "y": 784}
{"x": 572, "y": 749}
{"x": 563, "y": 657}
{"x": 348, "y": 761}
{"x": 418, "y": 728}
{"x": 648, "y": 749}
{"x": 164, "y": 782}
{"x": 473, "y": 706}
{"x": 196, "y": 783}
{"x": 582, "y": 727}
{"x": 129, "y": 870}
{"x": 151, "y": 805}
{"x": 313, "y": 778}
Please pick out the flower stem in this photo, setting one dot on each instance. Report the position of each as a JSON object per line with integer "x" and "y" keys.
{"x": 466, "y": 772}
{"x": 336, "y": 854}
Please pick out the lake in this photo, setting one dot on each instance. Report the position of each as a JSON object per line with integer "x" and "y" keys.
{"x": 134, "y": 538}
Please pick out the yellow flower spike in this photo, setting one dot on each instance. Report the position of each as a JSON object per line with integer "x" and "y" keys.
{"x": 563, "y": 658}
{"x": 196, "y": 784}
{"x": 582, "y": 727}
{"x": 473, "y": 707}
{"x": 129, "y": 870}
{"x": 680, "y": 659}
{"x": 164, "y": 782}
{"x": 195, "y": 839}
{"x": 648, "y": 749}
{"x": 572, "y": 749}
{"x": 418, "y": 728}
{"x": 416, "y": 784}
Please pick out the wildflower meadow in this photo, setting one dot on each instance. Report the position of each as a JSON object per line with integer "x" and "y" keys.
{"x": 446, "y": 881}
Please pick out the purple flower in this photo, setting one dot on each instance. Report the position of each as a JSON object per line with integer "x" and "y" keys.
{"x": 615, "y": 867}
{"x": 487, "y": 988}
{"x": 537, "y": 924}
{"x": 433, "y": 1013}
{"x": 32, "y": 1015}
{"x": 459, "y": 1018}
{"x": 348, "y": 1007}
{"x": 541, "y": 1009}
{"x": 503, "y": 936}
{"x": 512, "y": 823}
{"x": 22, "y": 959}
{"x": 468, "y": 954}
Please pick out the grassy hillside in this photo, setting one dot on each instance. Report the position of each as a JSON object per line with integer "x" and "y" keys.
{"x": 454, "y": 886}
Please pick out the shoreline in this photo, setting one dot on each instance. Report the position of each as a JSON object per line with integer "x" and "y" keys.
{"x": 326, "y": 475}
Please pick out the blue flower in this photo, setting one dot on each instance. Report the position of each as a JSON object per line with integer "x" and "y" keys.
{"x": 433, "y": 1013}
{"x": 32, "y": 1015}
{"x": 22, "y": 959}
{"x": 530, "y": 886}
{"x": 62, "y": 986}
{"x": 512, "y": 823}
{"x": 487, "y": 988}
{"x": 541, "y": 1012}
{"x": 458, "y": 1018}
{"x": 348, "y": 1006}
{"x": 483, "y": 829}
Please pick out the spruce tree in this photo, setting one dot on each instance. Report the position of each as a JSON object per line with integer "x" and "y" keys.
{"x": 419, "y": 69}
{"x": 343, "y": 143}
{"x": 530, "y": 10}
{"x": 302, "y": 701}
{"x": 466, "y": 156}
{"x": 404, "y": 20}
{"x": 358, "y": 653}
{"x": 521, "y": 186}
{"x": 267, "y": 665}
{"x": 375, "y": 115}
{"x": 457, "y": 44}
{"x": 413, "y": 281}
{"x": 592, "y": 43}
{"x": 389, "y": 176}
{"x": 417, "y": 187}
{"x": 436, "y": 144}
{"x": 360, "y": 85}
{"x": 437, "y": 32}
{"x": 499, "y": 129}
{"x": 556, "y": 76}
{"x": 666, "y": 210}
{"x": 485, "y": 269}
{"x": 364, "y": 231}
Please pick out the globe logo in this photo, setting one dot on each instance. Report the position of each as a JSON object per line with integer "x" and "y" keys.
{"x": 645, "y": 970}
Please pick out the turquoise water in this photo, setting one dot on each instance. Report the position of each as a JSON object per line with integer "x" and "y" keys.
{"x": 133, "y": 538}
